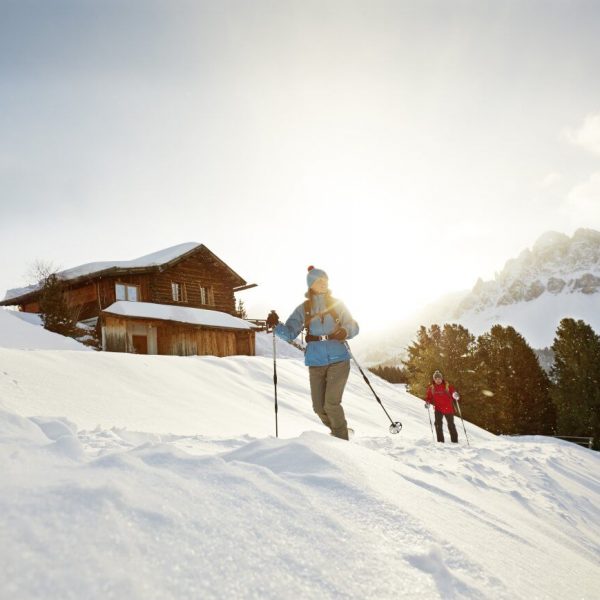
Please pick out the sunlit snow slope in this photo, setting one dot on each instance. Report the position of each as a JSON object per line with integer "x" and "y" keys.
{"x": 126, "y": 476}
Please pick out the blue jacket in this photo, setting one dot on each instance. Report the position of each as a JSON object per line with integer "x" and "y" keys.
{"x": 323, "y": 353}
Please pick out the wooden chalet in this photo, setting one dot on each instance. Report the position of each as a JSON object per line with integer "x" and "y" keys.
{"x": 178, "y": 301}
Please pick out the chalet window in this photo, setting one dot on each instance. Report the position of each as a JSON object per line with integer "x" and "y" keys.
{"x": 124, "y": 291}
{"x": 178, "y": 291}
{"x": 207, "y": 296}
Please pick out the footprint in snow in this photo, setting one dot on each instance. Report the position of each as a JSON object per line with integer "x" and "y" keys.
{"x": 449, "y": 585}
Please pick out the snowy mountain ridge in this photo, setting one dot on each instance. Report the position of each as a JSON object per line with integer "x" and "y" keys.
{"x": 556, "y": 264}
{"x": 558, "y": 277}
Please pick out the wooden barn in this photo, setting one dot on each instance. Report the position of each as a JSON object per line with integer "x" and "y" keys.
{"x": 178, "y": 301}
{"x": 146, "y": 328}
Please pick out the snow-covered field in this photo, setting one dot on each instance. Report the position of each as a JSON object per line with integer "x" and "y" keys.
{"x": 24, "y": 331}
{"x": 125, "y": 476}
{"x": 537, "y": 320}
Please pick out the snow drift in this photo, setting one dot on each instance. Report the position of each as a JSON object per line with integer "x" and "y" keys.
{"x": 127, "y": 476}
{"x": 25, "y": 331}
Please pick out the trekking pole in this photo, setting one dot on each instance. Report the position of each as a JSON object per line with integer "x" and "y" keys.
{"x": 271, "y": 322}
{"x": 395, "y": 426}
{"x": 275, "y": 382}
{"x": 463, "y": 423}
{"x": 430, "y": 424}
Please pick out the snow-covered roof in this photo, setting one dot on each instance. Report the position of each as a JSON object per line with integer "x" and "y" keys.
{"x": 149, "y": 260}
{"x": 180, "y": 314}
{"x": 156, "y": 259}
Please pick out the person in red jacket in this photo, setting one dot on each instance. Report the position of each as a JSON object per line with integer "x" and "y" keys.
{"x": 441, "y": 395}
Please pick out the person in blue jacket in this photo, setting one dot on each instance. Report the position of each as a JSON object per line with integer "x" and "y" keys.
{"x": 328, "y": 324}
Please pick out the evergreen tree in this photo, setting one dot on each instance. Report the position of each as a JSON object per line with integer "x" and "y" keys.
{"x": 515, "y": 394}
{"x": 423, "y": 358}
{"x": 240, "y": 310}
{"x": 576, "y": 378}
{"x": 391, "y": 374}
{"x": 458, "y": 366}
{"x": 450, "y": 349}
{"x": 54, "y": 310}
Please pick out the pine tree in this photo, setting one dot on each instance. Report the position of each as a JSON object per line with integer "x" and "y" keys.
{"x": 458, "y": 363}
{"x": 241, "y": 310}
{"x": 450, "y": 349}
{"x": 54, "y": 310}
{"x": 423, "y": 358}
{"x": 391, "y": 374}
{"x": 516, "y": 391}
{"x": 576, "y": 378}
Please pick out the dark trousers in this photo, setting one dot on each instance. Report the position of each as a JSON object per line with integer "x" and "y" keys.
{"x": 327, "y": 386}
{"x": 439, "y": 429}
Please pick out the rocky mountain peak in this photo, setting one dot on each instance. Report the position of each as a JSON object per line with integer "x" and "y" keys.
{"x": 556, "y": 264}
{"x": 550, "y": 240}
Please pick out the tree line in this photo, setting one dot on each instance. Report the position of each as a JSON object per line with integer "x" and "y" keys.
{"x": 502, "y": 385}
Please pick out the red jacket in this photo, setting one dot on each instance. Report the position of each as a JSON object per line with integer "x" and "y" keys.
{"x": 441, "y": 397}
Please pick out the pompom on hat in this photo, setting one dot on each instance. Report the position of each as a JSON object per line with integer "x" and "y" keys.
{"x": 437, "y": 374}
{"x": 314, "y": 274}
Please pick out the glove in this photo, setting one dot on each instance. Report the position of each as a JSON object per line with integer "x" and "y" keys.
{"x": 456, "y": 396}
{"x": 272, "y": 319}
{"x": 339, "y": 334}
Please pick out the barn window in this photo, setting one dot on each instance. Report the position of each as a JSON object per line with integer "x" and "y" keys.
{"x": 178, "y": 291}
{"x": 207, "y": 296}
{"x": 124, "y": 291}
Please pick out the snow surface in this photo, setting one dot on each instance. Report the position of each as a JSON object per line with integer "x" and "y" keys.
{"x": 538, "y": 320}
{"x": 25, "y": 331}
{"x": 264, "y": 347}
{"x": 181, "y": 314}
{"x": 149, "y": 260}
{"x": 132, "y": 476}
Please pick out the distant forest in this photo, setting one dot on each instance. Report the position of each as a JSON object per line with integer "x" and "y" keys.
{"x": 391, "y": 374}
{"x": 505, "y": 386}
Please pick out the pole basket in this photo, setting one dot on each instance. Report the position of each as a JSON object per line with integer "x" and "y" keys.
{"x": 396, "y": 427}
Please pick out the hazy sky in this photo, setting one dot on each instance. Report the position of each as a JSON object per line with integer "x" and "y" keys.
{"x": 407, "y": 148}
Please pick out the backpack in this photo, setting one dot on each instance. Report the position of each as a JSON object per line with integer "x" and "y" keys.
{"x": 330, "y": 304}
{"x": 446, "y": 386}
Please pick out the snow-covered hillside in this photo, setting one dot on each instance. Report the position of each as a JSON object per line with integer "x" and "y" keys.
{"x": 128, "y": 476}
{"x": 25, "y": 331}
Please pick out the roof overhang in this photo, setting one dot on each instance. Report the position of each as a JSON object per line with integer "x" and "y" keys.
{"x": 32, "y": 295}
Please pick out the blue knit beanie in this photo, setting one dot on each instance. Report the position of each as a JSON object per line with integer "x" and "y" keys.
{"x": 314, "y": 274}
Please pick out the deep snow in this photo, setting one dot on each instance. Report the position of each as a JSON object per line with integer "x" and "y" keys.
{"x": 538, "y": 320}
{"x": 24, "y": 331}
{"x": 127, "y": 476}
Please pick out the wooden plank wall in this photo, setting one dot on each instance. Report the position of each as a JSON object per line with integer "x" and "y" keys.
{"x": 199, "y": 270}
{"x": 107, "y": 292}
{"x": 179, "y": 340}
{"x": 114, "y": 334}
{"x": 91, "y": 298}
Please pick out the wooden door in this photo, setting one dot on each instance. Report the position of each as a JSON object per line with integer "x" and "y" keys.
{"x": 140, "y": 344}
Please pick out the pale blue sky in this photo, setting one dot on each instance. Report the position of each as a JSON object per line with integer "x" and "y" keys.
{"x": 405, "y": 147}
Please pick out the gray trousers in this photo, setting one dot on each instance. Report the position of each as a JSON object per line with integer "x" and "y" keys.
{"x": 326, "y": 388}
